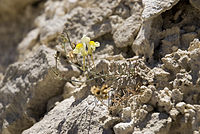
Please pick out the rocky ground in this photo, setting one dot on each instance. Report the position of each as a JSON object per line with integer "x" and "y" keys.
{"x": 149, "y": 58}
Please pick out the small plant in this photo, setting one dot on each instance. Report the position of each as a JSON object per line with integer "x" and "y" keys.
{"x": 105, "y": 85}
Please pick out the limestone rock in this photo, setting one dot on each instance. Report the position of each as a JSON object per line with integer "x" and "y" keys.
{"x": 154, "y": 123}
{"x": 70, "y": 116}
{"x": 123, "y": 128}
{"x": 195, "y": 3}
{"x": 153, "y": 68}
{"x": 128, "y": 30}
{"x": 165, "y": 99}
{"x": 171, "y": 39}
{"x": 27, "y": 87}
{"x": 177, "y": 96}
{"x": 181, "y": 107}
{"x": 51, "y": 29}
{"x": 174, "y": 113}
{"x": 126, "y": 114}
{"x": 94, "y": 25}
{"x": 195, "y": 44}
{"x": 187, "y": 38}
{"x": 15, "y": 23}
{"x": 141, "y": 44}
{"x": 28, "y": 42}
{"x": 156, "y": 7}
{"x": 146, "y": 95}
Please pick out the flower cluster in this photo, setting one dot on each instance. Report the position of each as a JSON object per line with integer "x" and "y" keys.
{"x": 86, "y": 47}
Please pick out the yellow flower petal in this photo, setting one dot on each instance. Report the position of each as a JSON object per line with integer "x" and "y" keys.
{"x": 92, "y": 43}
{"x": 79, "y": 46}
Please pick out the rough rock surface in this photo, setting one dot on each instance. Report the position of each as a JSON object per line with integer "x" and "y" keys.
{"x": 149, "y": 58}
{"x": 25, "y": 90}
{"x": 15, "y": 23}
{"x": 74, "y": 117}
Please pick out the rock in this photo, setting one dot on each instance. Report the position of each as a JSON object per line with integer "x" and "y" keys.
{"x": 115, "y": 22}
{"x": 146, "y": 95}
{"x": 123, "y": 128}
{"x": 187, "y": 38}
{"x": 127, "y": 31}
{"x": 10, "y": 8}
{"x": 26, "y": 89}
{"x": 195, "y": 44}
{"x": 54, "y": 120}
{"x": 141, "y": 114}
{"x": 165, "y": 99}
{"x": 78, "y": 22}
{"x": 68, "y": 90}
{"x": 174, "y": 113}
{"x": 28, "y": 42}
{"x": 51, "y": 29}
{"x": 181, "y": 107}
{"x": 110, "y": 122}
{"x": 147, "y": 107}
{"x": 195, "y": 3}
{"x": 170, "y": 63}
{"x": 19, "y": 19}
{"x": 160, "y": 74}
{"x": 53, "y": 102}
{"x": 189, "y": 29}
{"x": 177, "y": 96}
{"x": 70, "y": 116}
{"x": 126, "y": 114}
{"x": 160, "y": 83}
{"x": 102, "y": 66}
{"x": 155, "y": 7}
{"x": 141, "y": 45}
{"x": 171, "y": 38}
{"x": 154, "y": 123}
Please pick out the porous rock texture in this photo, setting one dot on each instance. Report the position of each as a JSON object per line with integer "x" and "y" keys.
{"x": 151, "y": 47}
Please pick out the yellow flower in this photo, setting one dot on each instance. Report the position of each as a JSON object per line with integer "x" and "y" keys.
{"x": 80, "y": 49}
{"x": 92, "y": 46}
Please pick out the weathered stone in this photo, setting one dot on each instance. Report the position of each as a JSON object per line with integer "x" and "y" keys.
{"x": 181, "y": 107}
{"x": 146, "y": 95}
{"x": 28, "y": 42}
{"x": 187, "y": 38}
{"x": 127, "y": 31}
{"x": 51, "y": 29}
{"x": 171, "y": 39}
{"x": 165, "y": 99}
{"x": 27, "y": 87}
{"x": 177, "y": 96}
{"x": 141, "y": 45}
{"x": 174, "y": 113}
{"x": 154, "y": 123}
{"x": 156, "y": 7}
{"x": 123, "y": 128}
{"x": 195, "y": 44}
{"x": 70, "y": 116}
{"x": 195, "y": 3}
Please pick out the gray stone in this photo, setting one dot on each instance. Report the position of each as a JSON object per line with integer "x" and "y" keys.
{"x": 26, "y": 89}
{"x": 70, "y": 116}
{"x": 127, "y": 31}
{"x": 154, "y": 123}
{"x": 195, "y": 3}
{"x": 154, "y": 8}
